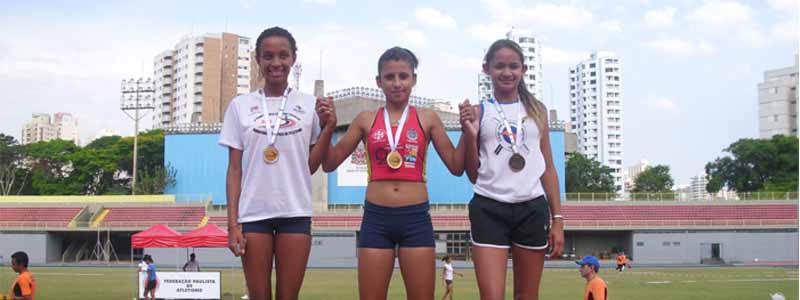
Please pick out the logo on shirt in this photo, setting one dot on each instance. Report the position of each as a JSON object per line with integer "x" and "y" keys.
{"x": 411, "y": 135}
{"x": 379, "y": 134}
{"x": 504, "y": 136}
{"x": 299, "y": 109}
{"x": 290, "y": 124}
{"x": 255, "y": 109}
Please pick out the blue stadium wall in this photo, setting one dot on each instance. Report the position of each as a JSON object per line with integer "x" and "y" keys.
{"x": 201, "y": 165}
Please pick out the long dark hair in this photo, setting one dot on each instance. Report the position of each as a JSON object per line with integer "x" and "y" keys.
{"x": 533, "y": 107}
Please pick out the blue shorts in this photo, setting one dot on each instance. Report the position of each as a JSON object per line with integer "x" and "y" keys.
{"x": 389, "y": 227}
{"x": 279, "y": 225}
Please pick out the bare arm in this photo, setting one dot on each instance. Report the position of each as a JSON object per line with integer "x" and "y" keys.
{"x": 453, "y": 158}
{"x": 327, "y": 117}
{"x": 233, "y": 189}
{"x": 473, "y": 125}
{"x": 347, "y": 143}
{"x": 551, "y": 189}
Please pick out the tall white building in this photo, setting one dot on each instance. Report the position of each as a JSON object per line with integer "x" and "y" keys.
{"x": 595, "y": 87}
{"x": 197, "y": 79}
{"x": 631, "y": 172}
{"x": 777, "y": 102}
{"x": 42, "y": 128}
{"x": 532, "y": 52}
{"x": 66, "y": 127}
{"x": 697, "y": 187}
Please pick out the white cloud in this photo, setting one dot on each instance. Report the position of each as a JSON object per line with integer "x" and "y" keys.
{"x": 435, "y": 19}
{"x": 415, "y": 37}
{"x": 660, "y": 18}
{"x": 784, "y": 5}
{"x": 555, "y": 15}
{"x": 727, "y": 20}
{"x": 559, "y": 56}
{"x": 323, "y": 2}
{"x": 679, "y": 47}
{"x": 610, "y": 26}
{"x": 663, "y": 104}
{"x": 785, "y": 31}
{"x": 462, "y": 62}
{"x": 488, "y": 32}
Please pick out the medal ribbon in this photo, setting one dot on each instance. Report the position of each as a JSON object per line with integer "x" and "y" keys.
{"x": 393, "y": 140}
{"x": 273, "y": 131}
{"x": 505, "y": 122}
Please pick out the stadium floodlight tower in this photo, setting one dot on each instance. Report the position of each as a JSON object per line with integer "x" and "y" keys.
{"x": 138, "y": 94}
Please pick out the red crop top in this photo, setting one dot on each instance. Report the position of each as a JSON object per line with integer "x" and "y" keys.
{"x": 412, "y": 146}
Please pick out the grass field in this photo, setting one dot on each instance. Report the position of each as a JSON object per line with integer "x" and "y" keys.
{"x": 96, "y": 283}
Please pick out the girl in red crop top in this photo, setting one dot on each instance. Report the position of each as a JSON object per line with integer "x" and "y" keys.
{"x": 397, "y": 181}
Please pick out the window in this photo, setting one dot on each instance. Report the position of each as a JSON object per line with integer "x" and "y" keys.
{"x": 676, "y": 244}
{"x": 775, "y": 118}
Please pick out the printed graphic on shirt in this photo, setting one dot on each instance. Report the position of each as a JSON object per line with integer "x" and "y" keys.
{"x": 290, "y": 124}
{"x": 504, "y": 137}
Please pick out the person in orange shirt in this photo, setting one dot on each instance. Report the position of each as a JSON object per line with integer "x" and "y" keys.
{"x": 622, "y": 260}
{"x": 24, "y": 287}
{"x": 596, "y": 288}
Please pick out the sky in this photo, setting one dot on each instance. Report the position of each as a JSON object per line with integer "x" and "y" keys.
{"x": 690, "y": 69}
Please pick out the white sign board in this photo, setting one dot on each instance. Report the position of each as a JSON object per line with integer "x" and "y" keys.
{"x": 353, "y": 170}
{"x": 184, "y": 285}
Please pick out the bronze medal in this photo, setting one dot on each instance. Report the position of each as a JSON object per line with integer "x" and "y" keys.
{"x": 394, "y": 160}
{"x": 516, "y": 162}
{"x": 271, "y": 155}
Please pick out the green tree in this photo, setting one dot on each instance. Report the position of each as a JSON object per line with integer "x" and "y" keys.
{"x": 654, "y": 179}
{"x": 13, "y": 174}
{"x": 155, "y": 181}
{"x": 52, "y": 166}
{"x": 585, "y": 175}
{"x": 756, "y": 165}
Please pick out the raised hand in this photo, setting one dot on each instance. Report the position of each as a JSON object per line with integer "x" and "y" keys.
{"x": 469, "y": 119}
{"x": 326, "y": 112}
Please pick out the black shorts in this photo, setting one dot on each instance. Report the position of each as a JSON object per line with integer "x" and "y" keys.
{"x": 279, "y": 225}
{"x": 448, "y": 282}
{"x": 150, "y": 285}
{"x": 499, "y": 225}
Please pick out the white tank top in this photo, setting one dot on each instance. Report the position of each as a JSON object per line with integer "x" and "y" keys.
{"x": 496, "y": 180}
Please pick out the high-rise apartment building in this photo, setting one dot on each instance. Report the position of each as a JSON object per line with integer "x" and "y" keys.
{"x": 42, "y": 128}
{"x": 66, "y": 127}
{"x": 532, "y": 52}
{"x": 777, "y": 102}
{"x": 697, "y": 187}
{"x": 595, "y": 87}
{"x": 631, "y": 172}
{"x": 197, "y": 79}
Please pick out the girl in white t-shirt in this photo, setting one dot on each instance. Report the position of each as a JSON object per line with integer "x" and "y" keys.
{"x": 515, "y": 182}
{"x": 276, "y": 139}
{"x": 447, "y": 277}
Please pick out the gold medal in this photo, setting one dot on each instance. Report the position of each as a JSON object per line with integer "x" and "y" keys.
{"x": 271, "y": 155}
{"x": 394, "y": 160}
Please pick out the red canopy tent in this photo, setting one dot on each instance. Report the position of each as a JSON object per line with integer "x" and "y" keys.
{"x": 209, "y": 236}
{"x": 157, "y": 236}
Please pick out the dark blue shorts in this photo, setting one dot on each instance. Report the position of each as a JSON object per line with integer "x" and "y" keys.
{"x": 279, "y": 225}
{"x": 392, "y": 227}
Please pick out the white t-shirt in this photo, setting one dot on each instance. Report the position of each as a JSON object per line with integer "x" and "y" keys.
{"x": 496, "y": 180}
{"x": 448, "y": 271}
{"x": 142, "y": 267}
{"x": 281, "y": 189}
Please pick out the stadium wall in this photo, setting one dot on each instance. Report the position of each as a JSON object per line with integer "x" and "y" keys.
{"x": 40, "y": 247}
{"x": 201, "y": 166}
{"x": 328, "y": 250}
{"x": 690, "y": 247}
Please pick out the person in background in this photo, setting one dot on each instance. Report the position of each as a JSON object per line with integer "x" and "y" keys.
{"x": 192, "y": 265}
{"x": 596, "y": 288}
{"x": 152, "y": 280}
{"x": 24, "y": 287}
{"x": 447, "y": 276}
